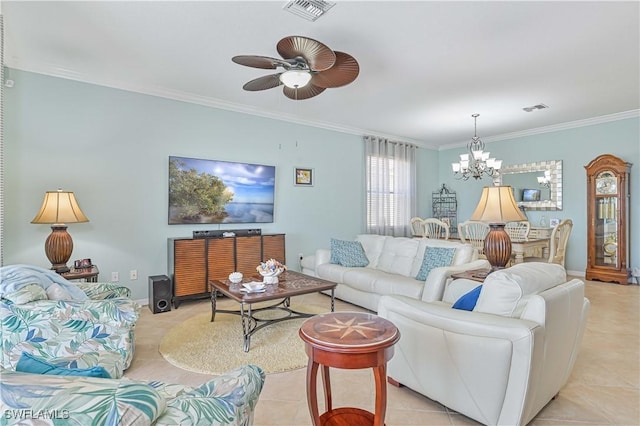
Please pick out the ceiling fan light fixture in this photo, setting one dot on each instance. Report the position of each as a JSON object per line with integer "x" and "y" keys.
{"x": 295, "y": 79}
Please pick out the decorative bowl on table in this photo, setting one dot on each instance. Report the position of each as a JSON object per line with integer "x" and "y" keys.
{"x": 235, "y": 277}
{"x": 270, "y": 271}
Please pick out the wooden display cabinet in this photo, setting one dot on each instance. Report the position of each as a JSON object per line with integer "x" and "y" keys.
{"x": 608, "y": 204}
{"x": 193, "y": 262}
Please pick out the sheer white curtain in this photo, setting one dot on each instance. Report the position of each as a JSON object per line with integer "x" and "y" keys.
{"x": 391, "y": 186}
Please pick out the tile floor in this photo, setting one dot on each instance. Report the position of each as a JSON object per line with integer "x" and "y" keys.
{"x": 602, "y": 390}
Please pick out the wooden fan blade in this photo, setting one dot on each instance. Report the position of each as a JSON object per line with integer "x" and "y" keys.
{"x": 343, "y": 72}
{"x": 318, "y": 56}
{"x": 263, "y": 83}
{"x": 263, "y": 62}
{"x": 306, "y": 92}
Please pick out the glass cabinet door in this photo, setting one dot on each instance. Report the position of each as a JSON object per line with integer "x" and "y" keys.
{"x": 606, "y": 231}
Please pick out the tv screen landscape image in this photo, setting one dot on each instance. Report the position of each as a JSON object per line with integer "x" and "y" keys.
{"x": 211, "y": 191}
{"x": 531, "y": 195}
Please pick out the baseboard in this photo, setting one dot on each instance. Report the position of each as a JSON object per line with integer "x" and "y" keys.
{"x": 143, "y": 302}
{"x": 580, "y": 274}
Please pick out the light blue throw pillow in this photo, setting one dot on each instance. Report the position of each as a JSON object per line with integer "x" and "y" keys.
{"x": 468, "y": 300}
{"x": 348, "y": 253}
{"x": 30, "y": 364}
{"x": 434, "y": 257}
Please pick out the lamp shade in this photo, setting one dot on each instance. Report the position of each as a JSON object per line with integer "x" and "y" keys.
{"x": 497, "y": 205}
{"x": 60, "y": 207}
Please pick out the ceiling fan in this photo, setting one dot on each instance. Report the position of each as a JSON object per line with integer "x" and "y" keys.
{"x": 309, "y": 66}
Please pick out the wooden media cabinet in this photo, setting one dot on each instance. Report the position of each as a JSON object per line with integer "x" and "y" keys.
{"x": 194, "y": 262}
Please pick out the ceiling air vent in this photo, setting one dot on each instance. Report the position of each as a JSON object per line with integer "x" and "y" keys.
{"x": 308, "y": 9}
{"x": 532, "y": 108}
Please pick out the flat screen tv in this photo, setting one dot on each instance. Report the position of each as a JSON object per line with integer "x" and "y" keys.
{"x": 530, "y": 195}
{"x": 211, "y": 191}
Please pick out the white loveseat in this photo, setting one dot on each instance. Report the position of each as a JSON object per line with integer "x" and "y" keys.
{"x": 393, "y": 264}
{"x": 501, "y": 363}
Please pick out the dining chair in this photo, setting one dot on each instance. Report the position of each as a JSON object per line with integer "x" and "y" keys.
{"x": 518, "y": 230}
{"x": 417, "y": 226}
{"x": 435, "y": 228}
{"x": 557, "y": 244}
{"x": 474, "y": 232}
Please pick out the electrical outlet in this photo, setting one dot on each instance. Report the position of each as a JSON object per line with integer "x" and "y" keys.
{"x": 133, "y": 274}
{"x": 115, "y": 277}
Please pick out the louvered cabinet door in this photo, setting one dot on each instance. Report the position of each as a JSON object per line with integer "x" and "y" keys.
{"x": 273, "y": 248}
{"x": 189, "y": 272}
{"x": 248, "y": 254}
{"x": 220, "y": 258}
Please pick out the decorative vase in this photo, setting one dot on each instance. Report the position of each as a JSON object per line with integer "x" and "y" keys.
{"x": 271, "y": 277}
{"x": 270, "y": 271}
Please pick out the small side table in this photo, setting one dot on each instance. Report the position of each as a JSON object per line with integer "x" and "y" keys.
{"x": 348, "y": 340}
{"x": 478, "y": 275}
{"x": 90, "y": 275}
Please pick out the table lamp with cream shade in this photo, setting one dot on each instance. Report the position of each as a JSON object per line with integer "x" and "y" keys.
{"x": 497, "y": 207}
{"x": 59, "y": 208}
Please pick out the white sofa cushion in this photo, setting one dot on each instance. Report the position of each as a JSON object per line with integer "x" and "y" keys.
{"x": 398, "y": 256}
{"x": 372, "y": 245}
{"x": 507, "y": 291}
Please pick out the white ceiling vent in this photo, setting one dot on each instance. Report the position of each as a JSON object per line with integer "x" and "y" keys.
{"x": 532, "y": 108}
{"x": 308, "y": 9}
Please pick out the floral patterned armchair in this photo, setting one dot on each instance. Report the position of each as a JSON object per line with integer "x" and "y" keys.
{"x": 97, "y": 330}
{"x": 228, "y": 399}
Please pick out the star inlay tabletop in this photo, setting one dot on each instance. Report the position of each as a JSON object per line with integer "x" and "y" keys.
{"x": 349, "y": 329}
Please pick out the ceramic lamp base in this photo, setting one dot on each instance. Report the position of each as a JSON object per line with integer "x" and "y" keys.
{"x": 497, "y": 246}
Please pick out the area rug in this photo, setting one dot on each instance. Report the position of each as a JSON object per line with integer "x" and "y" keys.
{"x": 207, "y": 347}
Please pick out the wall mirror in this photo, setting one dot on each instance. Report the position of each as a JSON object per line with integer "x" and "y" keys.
{"x": 536, "y": 186}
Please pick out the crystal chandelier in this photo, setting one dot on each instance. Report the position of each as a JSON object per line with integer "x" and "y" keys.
{"x": 477, "y": 163}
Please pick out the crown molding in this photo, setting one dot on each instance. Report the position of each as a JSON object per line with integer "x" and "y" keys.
{"x": 634, "y": 113}
{"x": 59, "y": 72}
{"x": 53, "y": 70}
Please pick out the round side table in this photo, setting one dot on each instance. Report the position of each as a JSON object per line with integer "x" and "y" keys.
{"x": 348, "y": 340}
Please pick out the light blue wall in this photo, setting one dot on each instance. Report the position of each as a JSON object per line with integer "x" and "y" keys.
{"x": 111, "y": 148}
{"x": 576, "y": 148}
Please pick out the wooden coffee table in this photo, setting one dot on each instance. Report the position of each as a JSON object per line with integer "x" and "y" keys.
{"x": 291, "y": 284}
{"x": 347, "y": 340}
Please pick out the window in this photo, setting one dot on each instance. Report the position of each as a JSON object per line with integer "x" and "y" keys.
{"x": 390, "y": 186}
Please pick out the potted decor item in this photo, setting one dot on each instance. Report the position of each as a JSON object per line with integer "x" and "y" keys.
{"x": 235, "y": 277}
{"x": 270, "y": 271}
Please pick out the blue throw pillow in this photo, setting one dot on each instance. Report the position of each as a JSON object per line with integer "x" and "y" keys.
{"x": 30, "y": 364}
{"x": 468, "y": 300}
{"x": 348, "y": 253}
{"x": 434, "y": 257}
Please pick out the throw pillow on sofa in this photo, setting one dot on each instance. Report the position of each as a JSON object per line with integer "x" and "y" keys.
{"x": 348, "y": 253}
{"x": 31, "y": 364}
{"x": 468, "y": 300}
{"x": 434, "y": 257}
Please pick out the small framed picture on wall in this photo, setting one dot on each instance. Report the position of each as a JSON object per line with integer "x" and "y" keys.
{"x": 303, "y": 176}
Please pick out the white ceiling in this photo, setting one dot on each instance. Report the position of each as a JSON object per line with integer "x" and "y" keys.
{"x": 425, "y": 66}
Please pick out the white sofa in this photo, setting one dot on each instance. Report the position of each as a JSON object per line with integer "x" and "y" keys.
{"x": 394, "y": 262}
{"x": 501, "y": 363}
